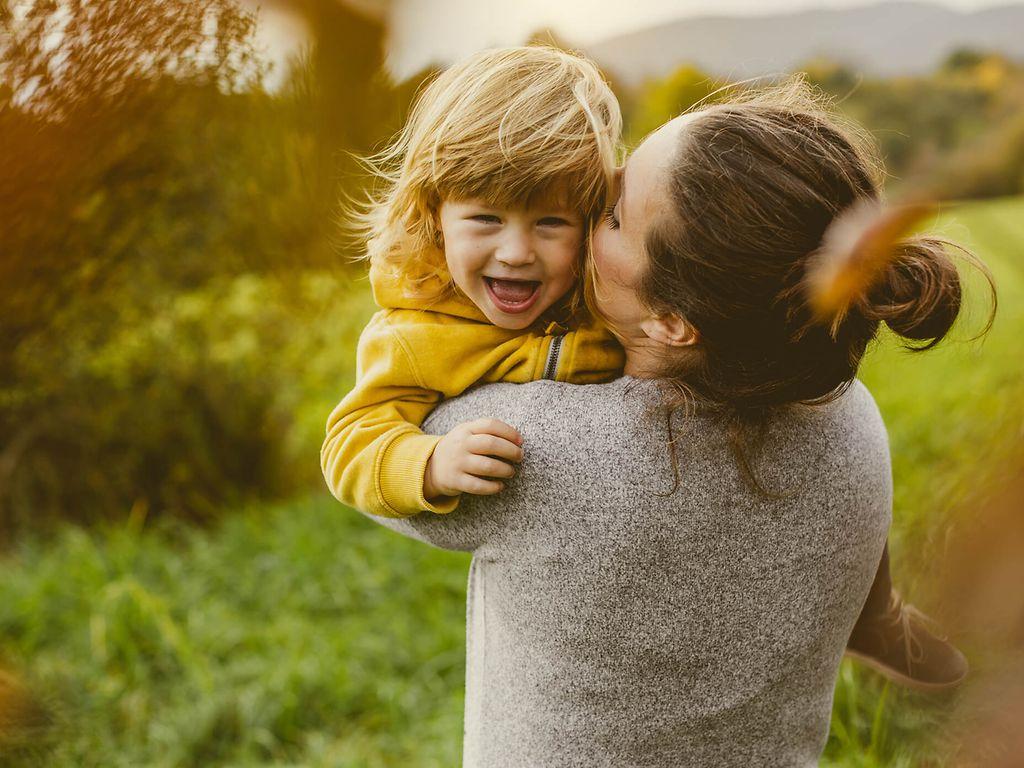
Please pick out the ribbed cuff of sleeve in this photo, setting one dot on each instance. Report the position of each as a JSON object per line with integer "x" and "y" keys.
{"x": 400, "y": 476}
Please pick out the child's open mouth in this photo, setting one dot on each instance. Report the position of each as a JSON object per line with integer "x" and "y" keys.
{"x": 512, "y": 296}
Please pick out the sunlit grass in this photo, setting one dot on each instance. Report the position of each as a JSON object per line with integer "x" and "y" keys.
{"x": 302, "y": 634}
{"x": 287, "y": 635}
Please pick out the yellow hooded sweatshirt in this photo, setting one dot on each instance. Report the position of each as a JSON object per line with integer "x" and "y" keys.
{"x": 412, "y": 354}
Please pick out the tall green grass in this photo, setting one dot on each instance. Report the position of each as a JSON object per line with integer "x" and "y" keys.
{"x": 290, "y": 636}
{"x": 304, "y": 635}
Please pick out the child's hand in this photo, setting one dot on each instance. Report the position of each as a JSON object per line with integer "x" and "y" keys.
{"x": 469, "y": 455}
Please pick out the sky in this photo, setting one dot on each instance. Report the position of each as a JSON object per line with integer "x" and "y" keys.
{"x": 424, "y": 32}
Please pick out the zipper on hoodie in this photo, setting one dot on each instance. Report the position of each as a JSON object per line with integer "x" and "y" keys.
{"x": 551, "y": 365}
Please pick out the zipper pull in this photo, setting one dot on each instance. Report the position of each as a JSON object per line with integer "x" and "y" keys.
{"x": 551, "y": 364}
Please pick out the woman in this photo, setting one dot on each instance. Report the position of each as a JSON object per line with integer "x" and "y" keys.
{"x": 673, "y": 575}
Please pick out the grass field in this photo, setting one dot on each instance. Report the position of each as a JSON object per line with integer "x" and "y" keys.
{"x": 302, "y": 634}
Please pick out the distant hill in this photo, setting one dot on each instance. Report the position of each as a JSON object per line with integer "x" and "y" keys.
{"x": 884, "y": 39}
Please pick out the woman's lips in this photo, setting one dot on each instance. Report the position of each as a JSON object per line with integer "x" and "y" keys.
{"x": 512, "y": 296}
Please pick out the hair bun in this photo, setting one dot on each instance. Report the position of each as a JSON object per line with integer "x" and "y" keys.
{"x": 921, "y": 296}
{"x": 855, "y": 254}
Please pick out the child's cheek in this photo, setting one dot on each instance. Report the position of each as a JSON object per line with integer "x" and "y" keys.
{"x": 459, "y": 252}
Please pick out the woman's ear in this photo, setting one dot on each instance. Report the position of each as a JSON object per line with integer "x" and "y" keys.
{"x": 670, "y": 330}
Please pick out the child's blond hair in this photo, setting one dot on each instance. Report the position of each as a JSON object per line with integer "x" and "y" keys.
{"x": 505, "y": 125}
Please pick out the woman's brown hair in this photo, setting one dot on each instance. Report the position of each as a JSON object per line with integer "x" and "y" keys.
{"x": 765, "y": 189}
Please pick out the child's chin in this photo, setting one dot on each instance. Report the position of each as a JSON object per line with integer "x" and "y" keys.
{"x": 513, "y": 322}
{"x": 518, "y": 323}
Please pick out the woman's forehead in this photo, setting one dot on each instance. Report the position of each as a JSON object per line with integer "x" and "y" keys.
{"x": 646, "y": 169}
{"x": 661, "y": 144}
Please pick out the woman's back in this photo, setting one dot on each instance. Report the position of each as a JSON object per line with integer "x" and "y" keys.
{"x": 609, "y": 625}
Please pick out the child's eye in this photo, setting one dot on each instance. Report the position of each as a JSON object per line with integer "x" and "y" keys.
{"x": 553, "y": 221}
{"x": 485, "y": 218}
{"x": 609, "y": 217}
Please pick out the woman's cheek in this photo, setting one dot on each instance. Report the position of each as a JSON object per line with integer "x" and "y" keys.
{"x": 603, "y": 238}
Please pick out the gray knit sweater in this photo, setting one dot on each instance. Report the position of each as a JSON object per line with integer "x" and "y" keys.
{"x": 609, "y": 625}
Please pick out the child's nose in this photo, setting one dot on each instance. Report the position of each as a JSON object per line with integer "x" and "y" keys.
{"x": 516, "y": 249}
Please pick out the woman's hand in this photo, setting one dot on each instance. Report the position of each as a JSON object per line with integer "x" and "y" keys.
{"x": 468, "y": 458}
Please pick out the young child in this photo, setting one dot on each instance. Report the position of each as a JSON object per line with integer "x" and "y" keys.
{"x": 475, "y": 250}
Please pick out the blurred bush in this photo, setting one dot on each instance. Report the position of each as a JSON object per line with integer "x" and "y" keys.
{"x": 171, "y": 269}
{"x": 216, "y": 396}
{"x": 659, "y": 100}
{"x": 957, "y": 133}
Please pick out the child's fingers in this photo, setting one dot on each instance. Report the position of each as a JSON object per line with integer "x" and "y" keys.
{"x": 499, "y": 447}
{"x": 484, "y": 466}
{"x": 479, "y": 486}
{"x": 496, "y": 428}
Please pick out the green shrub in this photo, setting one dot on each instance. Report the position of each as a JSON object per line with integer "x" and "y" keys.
{"x": 197, "y": 401}
{"x": 173, "y": 291}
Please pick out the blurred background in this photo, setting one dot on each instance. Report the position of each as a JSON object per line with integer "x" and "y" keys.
{"x": 178, "y": 314}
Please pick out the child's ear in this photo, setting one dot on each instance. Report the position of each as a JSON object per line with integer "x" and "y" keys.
{"x": 430, "y": 216}
{"x": 434, "y": 226}
{"x": 671, "y": 330}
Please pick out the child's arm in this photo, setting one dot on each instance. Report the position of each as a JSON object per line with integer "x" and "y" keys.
{"x": 376, "y": 459}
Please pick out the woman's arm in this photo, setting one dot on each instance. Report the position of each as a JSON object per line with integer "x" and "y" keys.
{"x": 462, "y": 530}
{"x": 538, "y": 410}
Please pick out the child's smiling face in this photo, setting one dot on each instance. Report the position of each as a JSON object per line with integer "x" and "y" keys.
{"x": 513, "y": 263}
